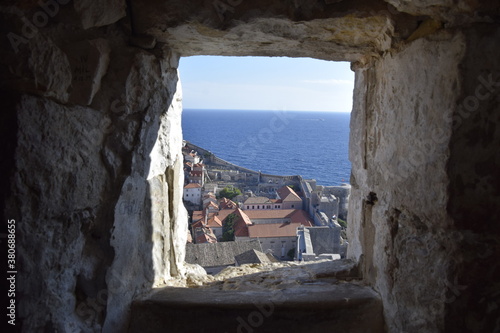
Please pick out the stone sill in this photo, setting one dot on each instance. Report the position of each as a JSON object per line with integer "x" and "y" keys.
{"x": 305, "y": 298}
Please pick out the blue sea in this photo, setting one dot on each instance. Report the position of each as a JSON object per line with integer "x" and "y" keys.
{"x": 311, "y": 144}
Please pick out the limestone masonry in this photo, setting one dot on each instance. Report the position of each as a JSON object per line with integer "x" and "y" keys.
{"x": 93, "y": 167}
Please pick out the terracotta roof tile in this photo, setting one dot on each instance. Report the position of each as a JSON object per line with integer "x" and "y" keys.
{"x": 205, "y": 235}
{"x": 211, "y": 204}
{"x": 241, "y": 224}
{"x": 257, "y": 201}
{"x": 193, "y": 185}
{"x": 273, "y": 230}
{"x": 295, "y": 215}
{"x": 198, "y": 215}
{"x": 244, "y": 227}
{"x": 214, "y": 222}
{"x": 287, "y": 194}
{"x": 223, "y": 213}
{"x": 225, "y": 203}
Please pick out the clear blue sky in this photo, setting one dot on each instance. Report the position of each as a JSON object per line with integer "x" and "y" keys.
{"x": 266, "y": 83}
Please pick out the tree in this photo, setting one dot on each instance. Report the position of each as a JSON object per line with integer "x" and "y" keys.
{"x": 229, "y": 192}
{"x": 228, "y": 228}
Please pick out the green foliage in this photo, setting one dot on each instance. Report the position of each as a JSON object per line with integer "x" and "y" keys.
{"x": 229, "y": 192}
{"x": 342, "y": 223}
{"x": 228, "y": 228}
{"x": 291, "y": 254}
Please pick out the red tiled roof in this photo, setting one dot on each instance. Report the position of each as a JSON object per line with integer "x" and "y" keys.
{"x": 212, "y": 204}
{"x": 225, "y": 203}
{"x": 240, "y": 230}
{"x": 243, "y": 216}
{"x": 241, "y": 224}
{"x": 197, "y": 215}
{"x": 223, "y": 213}
{"x": 287, "y": 194}
{"x": 205, "y": 235}
{"x": 192, "y": 185}
{"x": 300, "y": 216}
{"x": 273, "y": 230}
{"x": 214, "y": 221}
{"x": 198, "y": 224}
{"x": 257, "y": 201}
{"x": 295, "y": 215}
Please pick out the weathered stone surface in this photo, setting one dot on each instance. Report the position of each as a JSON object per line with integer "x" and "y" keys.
{"x": 333, "y": 39}
{"x": 474, "y": 188}
{"x": 99, "y": 13}
{"x": 50, "y": 68}
{"x": 401, "y": 128}
{"x": 456, "y": 12}
{"x": 154, "y": 222}
{"x": 97, "y": 183}
{"x": 94, "y": 182}
{"x": 312, "y": 308}
{"x": 55, "y": 228}
{"x": 268, "y": 276}
{"x": 283, "y": 275}
{"x": 89, "y": 62}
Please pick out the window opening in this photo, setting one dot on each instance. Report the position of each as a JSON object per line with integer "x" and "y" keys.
{"x": 292, "y": 153}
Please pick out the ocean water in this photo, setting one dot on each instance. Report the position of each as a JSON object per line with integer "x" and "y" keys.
{"x": 311, "y": 144}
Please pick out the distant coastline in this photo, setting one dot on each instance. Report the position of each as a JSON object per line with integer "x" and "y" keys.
{"x": 312, "y": 144}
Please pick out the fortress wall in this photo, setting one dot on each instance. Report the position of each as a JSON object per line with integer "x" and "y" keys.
{"x": 92, "y": 170}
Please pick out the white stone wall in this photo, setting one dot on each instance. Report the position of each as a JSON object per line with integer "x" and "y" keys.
{"x": 97, "y": 182}
{"x": 193, "y": 195}
{"x": 94, "y": 177}
{"x": 398, "y": 223}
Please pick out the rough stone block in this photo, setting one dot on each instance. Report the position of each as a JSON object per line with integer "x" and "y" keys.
{"x": 99, "y": 13}
{"x": 89, "y": 62}
{"x": 308, "y": 308}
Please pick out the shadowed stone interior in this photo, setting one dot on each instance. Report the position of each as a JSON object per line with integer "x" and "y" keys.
{"x": 92, "y": 163}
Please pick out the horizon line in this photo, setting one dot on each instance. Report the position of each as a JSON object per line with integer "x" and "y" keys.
{"x": 219, "y": 109}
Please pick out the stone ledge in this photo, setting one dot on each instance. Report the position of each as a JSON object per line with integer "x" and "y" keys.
{"x": 314, "y": 307}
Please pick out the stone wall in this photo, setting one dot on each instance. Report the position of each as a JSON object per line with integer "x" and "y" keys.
{"x": 474, "y": 187}
{"x": 421, "y": 218}
{"x": 398, "y": 222}
{"x": 93, "y": 166}
{"x": 96, "y": 173}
